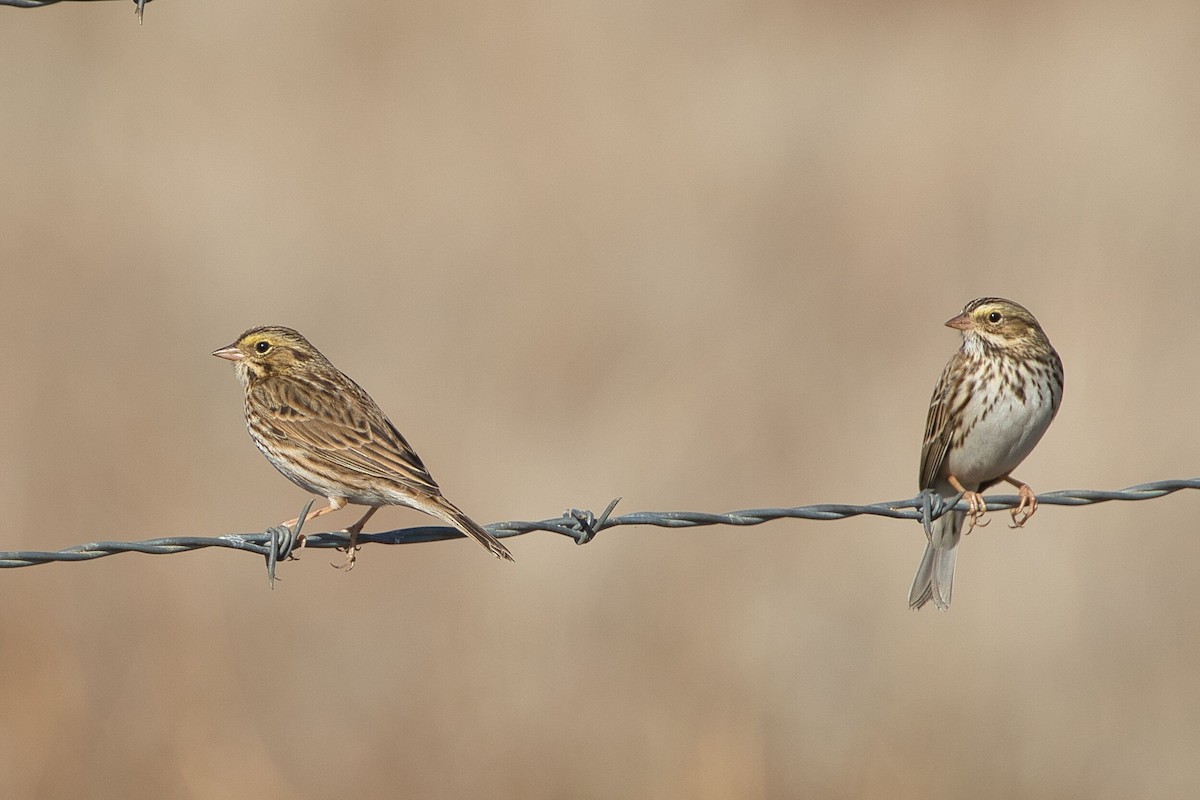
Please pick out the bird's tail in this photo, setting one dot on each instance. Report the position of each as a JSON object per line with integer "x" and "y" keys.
{"x": 935, "y": 576}
{"x": 442, "y": 508}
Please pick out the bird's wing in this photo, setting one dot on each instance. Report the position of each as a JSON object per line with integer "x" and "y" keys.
{"x": 341, "y": 423}
{"x": 938, "y": 433}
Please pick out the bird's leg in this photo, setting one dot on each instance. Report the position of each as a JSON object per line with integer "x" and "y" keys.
{"x": 335, "y": 504}
{"x": 354, "y": 530}
{"x": 1028, "y": 505}
{"x": 976, "y": 506}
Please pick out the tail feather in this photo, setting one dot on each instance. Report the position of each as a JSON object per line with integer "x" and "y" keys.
{"x": 935, "y": 575}
{"x": 444, "y": 509}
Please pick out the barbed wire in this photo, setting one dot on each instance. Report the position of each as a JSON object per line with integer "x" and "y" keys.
{"x": 279, "y": 543}
{"x": 139, "y": 5}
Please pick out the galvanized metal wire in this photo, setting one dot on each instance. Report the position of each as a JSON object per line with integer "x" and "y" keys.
{"x": 278, "y": 543}
{"x": 139, "y": 5}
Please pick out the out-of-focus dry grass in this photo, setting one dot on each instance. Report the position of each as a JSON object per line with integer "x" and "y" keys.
{"x": 694, "y": 254}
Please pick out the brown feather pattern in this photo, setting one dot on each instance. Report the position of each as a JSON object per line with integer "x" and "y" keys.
{"x": 325, "y": 433}
{"x": 991, "y": 405}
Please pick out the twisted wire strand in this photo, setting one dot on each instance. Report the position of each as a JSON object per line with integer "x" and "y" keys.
{"x": 140, "y": 5}
{"x": 278, "y": 543}
{"x": 40, "y": 3}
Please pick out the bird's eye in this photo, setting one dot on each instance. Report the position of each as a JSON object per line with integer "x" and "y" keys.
{"x": 262, "y": 346}
{"x": 993, "y": 318}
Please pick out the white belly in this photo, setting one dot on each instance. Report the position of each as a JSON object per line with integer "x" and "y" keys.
{"x": 1005, "y": 432}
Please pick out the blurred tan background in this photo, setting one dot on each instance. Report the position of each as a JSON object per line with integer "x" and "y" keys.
{"x": 696, "y": 255}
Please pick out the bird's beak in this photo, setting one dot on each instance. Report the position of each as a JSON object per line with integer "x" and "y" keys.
{"x": 230, "y": 352}
{"x": 962, "y": 322}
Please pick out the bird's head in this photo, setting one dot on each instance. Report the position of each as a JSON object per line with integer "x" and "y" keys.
{"x": 996, "y": 323}
{"x": 268, "y": 350}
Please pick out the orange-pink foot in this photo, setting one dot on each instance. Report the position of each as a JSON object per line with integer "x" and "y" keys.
{"x": 1026, "y": 508}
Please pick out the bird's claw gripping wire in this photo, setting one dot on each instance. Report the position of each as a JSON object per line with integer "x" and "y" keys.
{"x": 1025, "y": 508}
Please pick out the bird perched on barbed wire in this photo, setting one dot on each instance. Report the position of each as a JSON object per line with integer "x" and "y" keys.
{"x": 990, "y": 408}
{"x": 325, "y": 434}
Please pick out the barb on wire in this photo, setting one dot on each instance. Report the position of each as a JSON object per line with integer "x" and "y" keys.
{"x": 139, "y": 10}
{"x": 279, "y": 542}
